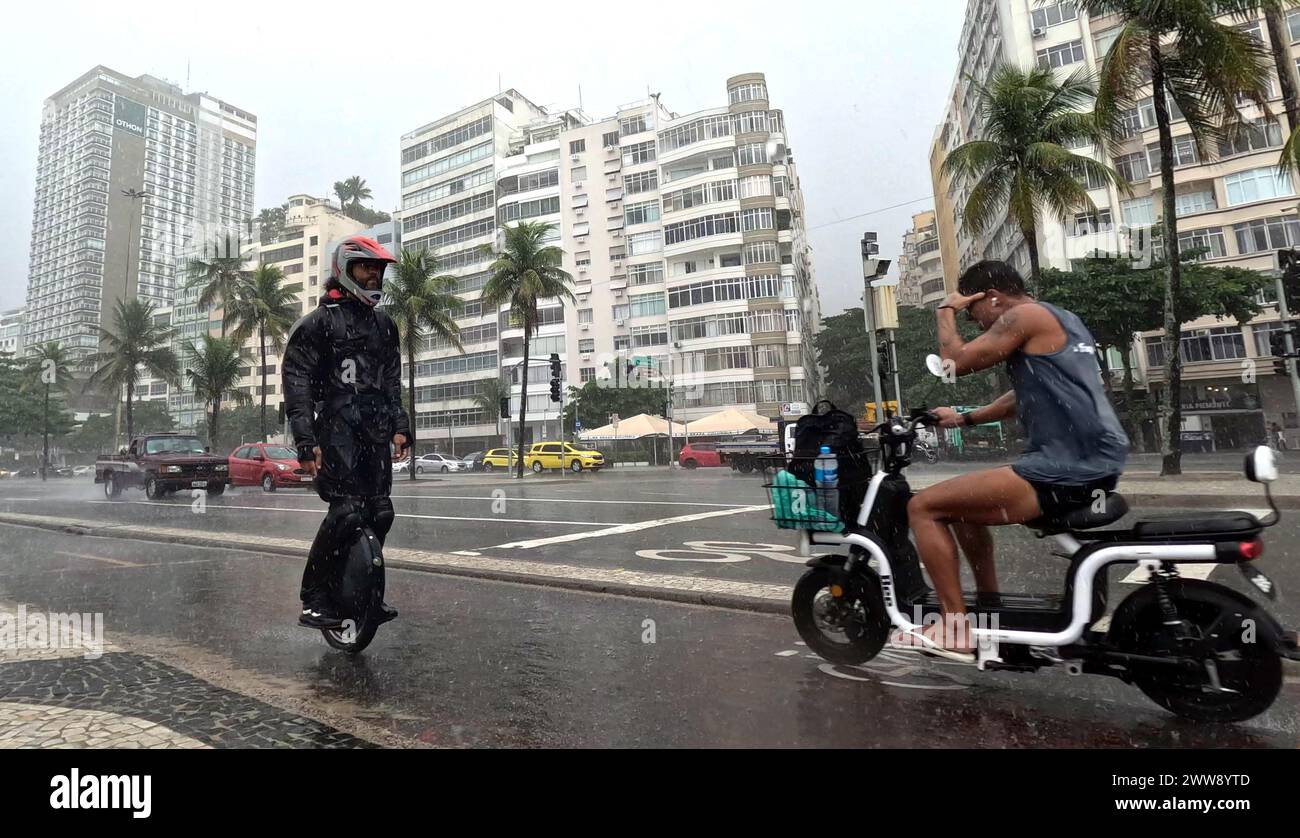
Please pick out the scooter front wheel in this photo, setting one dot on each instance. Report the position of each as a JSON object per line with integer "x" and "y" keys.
{"x": 841, "y": 618}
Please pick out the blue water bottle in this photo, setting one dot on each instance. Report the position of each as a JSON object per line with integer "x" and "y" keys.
{"x": 826, "y": 472}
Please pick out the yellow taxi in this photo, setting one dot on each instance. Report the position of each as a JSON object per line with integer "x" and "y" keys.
{"x": 544, "y": 455}
{"x": 500, "y": 458}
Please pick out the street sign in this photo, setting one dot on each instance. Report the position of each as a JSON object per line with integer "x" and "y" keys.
{"x": 793, "y": 410}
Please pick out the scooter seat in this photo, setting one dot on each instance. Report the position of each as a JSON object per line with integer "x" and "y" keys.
{"x": 1221, "y": 523}
{"x": 1087, "y": 517}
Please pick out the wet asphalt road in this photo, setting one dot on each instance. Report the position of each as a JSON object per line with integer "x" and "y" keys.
{"x": 708, "y": 523}
{"x": 479, "y": 663}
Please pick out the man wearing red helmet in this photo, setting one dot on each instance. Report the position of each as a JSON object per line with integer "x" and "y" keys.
{"x": 343, "y": 399}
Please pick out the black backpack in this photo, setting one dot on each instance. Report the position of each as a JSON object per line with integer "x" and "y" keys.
{"x": 838, "y": 430}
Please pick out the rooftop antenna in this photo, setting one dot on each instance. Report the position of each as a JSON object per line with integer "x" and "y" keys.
{"x": 187, "y": 75}
{"x": 579, "y": 97}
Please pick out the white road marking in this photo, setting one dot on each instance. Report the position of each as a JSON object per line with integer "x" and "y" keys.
{"x": 1198, "y": 570}
{"x": 465, "y": 553}
{"x": 510, "y": 499}
{"x": 105, "y": 559}
{"x": 787, "y": 653}
{"x": 320, "y": 510}
{"x": 622, "y": 529}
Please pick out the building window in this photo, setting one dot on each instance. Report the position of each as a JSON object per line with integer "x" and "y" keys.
{"x": 1052, "y": 15}
{"x": 755, "y": 91}
{"x": 640, "y": 153}
{"x": 645, "y": 274}
{"x": 752, "y": 153}
{"x": 642, "y": 243}
{"x": 1061, "y": 55}
{"x": 641, "y": 213}
{"x": 1184, "y": 153}
{"x": 586, "y": 374}
{"x": 647, "y": 305}
{"x": 1087, "y": 223}
{"x": 582, "y": 258}
{"x": 1192, "y": 202}
{"x": 587, "y": 345}
{"x": 640, "y": 182}
{"x": 578, "y": 174}
{"x": 634, "y": 125}
{"x": 1252, "y": 136}
{"x": 1132, "y": 167}
{"x": 1257, "y": 185}
{"x": 584, "y": 315}
{"x": 609, "y": 140}
{"x": 577, "y": 146}
{"x": 1264, "y": 234}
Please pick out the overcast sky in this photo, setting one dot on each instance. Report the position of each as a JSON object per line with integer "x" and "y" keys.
{"x": 862, "y": 85}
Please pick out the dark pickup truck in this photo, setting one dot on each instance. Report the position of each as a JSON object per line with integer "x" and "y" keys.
{"x": 161, "y": 464}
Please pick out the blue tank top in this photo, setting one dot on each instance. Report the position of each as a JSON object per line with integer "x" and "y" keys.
{"x": 1074, "y": 435}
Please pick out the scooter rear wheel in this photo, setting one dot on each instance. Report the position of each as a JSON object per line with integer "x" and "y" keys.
{"x": 352, "y": 639}
{"x": 849, "y": 629}
{"x": 1248, "y": 669}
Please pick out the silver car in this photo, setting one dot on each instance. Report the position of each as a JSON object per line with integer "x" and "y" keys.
{"x": 439, "y": 463}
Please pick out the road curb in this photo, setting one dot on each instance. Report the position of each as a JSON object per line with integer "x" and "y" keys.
{"x": 662, "y": 587}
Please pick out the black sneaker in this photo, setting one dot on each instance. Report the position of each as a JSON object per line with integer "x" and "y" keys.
{"x": 319, "y": 616}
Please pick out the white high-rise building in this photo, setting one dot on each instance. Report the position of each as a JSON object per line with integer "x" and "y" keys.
{"x": 920, "y": 264}
{"x": 711, "y": 279}
{"x": 131, "y": 173}
{"x": 1232, "y": 202}
{"x": 449, "y": 179}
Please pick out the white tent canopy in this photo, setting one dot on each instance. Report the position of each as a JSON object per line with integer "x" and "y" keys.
{"x": 730, "y": 422}
{"x": 634, "y": 427}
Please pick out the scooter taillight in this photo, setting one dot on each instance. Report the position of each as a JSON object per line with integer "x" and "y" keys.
{"x": 1251, "y": 549}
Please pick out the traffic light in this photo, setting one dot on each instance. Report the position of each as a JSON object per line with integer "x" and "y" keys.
{"x": 883, "y": 354}
{"x": 555, "y": 389}
{"x": 555, "y": 376}
{"x": 505, "y": 407}
{"x": 1288, "y": 262}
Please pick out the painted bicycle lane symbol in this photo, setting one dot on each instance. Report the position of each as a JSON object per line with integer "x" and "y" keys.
{"x": 906, "y": 670}
{"x": 721, "y": 552}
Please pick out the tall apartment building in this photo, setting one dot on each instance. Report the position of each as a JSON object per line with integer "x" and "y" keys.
{"x": 106, "y": 135}
{"x": 920, "y": 264}
{"x": 712, "y": 279}
{"x": 449, "y": 179}
{"x": 1233, "y": 202}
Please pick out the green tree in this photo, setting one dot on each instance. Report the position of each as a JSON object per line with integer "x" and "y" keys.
{"x": 263, "y": 306}
{"x": 422, "y": 303}
{"x": 217, "y": 277}
{"x": 1023, "y": 165}
{"x": 591, "y": 404}
{"x": 917, "y": 337}
{"x": 95, "y": 435}
{"x": 524, "y": 272}
{"x": 238, "y": 425}
{"x": 214, "y": 375}
{"x": 136, "y": 342}
{"x": 1185, "y": 56}
{"x": 20, "y": 415}
{"x": 49, "y": 369}
{"x": 270, "y": 223}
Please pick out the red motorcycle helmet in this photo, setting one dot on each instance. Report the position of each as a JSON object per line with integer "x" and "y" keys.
{"x": 359, "y": 249}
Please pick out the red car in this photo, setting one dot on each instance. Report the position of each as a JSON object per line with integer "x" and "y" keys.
{"x": 697, "y": 454}
{"x": 271, "y": 466}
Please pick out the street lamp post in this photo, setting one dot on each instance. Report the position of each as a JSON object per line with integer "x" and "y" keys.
{"x": 133, "y": 195}
{"x": 872, "y": 268}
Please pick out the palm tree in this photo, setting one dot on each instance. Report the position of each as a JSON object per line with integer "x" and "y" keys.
{"x": 135, "y": 342}
{"x": 526, "y": 270}
{"x": 491, "y": 392}
{"x": 50, "y": 365}
{"x": 1275, "y": 14}
{"x": 214, "y": 375}
{"x": 421, "y": 303}
{"x": 217, "y": 277}
{"x": 1187, "y": 57}
{"x": 1023, "y": 165}
{"x": 271, "y": 221}
{"x": 352, "y": 192}
{"x": 264, "y": 307}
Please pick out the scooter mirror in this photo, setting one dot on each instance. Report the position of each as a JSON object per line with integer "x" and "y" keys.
{"x": 934, "y": 364}
{"x": 1261, "y": 465}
